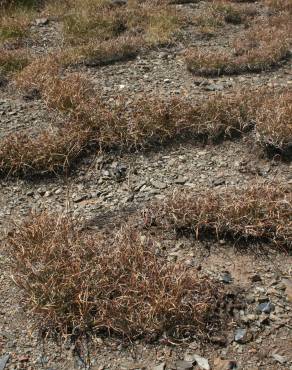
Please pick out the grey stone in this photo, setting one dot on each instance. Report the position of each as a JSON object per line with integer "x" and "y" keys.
{"x": 265, "y": 307}
{"x": 158, "y": 184}
{"x": 184, "y": 365}
{"x": 79, "y": 198}
{"x": 180, "y": 180}
{"x": 226, "y": 278}
{"x": 159, "y": 367}
{"x": 214, "y": 87}
{"x": 242, "y": 336}
{"x": 139, "y": 185}
{"x": 41, "y": 21}
{"x": 202, "y": 362}
{"x": 58, "y": 191}
{"x": 3, "y": 361}
{"x": 219, "y": 182}
{"x": 281, "y": 359}
{"x": 195, "y": 359}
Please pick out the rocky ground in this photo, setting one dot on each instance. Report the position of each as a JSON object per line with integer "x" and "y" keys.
{"x": 105, "y": 188}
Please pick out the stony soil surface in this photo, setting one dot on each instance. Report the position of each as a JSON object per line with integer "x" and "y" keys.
{"x": 105, "y": 188}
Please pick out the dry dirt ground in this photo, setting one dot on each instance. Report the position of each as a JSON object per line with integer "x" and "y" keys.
{"x": 96, "y": 194}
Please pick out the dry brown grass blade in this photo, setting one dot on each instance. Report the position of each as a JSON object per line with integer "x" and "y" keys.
{"x": 259, "y": 213}
{"x": 81, "y": 284}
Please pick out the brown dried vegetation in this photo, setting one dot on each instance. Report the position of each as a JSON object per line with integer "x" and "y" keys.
{"x": 262, "y": 46}
{"x": 218, "y": 13}
{"x": 103, "y": 283}
{"x": 280, "y": 5}
{"x": 257, "y": 213}
{"x": 153, "y": 23}
{"x": 274, "y": 123}
{"x": 12, "y": 61}
{"x": 125, "y": 125}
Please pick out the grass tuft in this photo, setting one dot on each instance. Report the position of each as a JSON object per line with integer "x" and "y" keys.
{"x": 259, "y": 213}
{"x": 104, "y": 53}
{"x": 83, "y": 284}
{"x": 91, "y": 21}
{"x": 13, "y": 61}
{"x": 262, "y": 47}
{"x": 274, "y": 124}
{"x": 47, "y": 152}
{"x": 141, "y": 124}
{"x": 218, "y": 13}
{"x": 280, "y": 5}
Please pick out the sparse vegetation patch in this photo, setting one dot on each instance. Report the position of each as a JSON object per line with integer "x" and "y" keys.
{"x": 102, "y": 283}
{"x": 142, "y": 123}
{"x": 259, "y": 213}
{"x": 280, "y": 5}
{"x": 104, "y": 53}
{"x": 12, "y": 61}
{"x": 156, "y": 23}
{"x": 261, "y": 47}
{"x": 218, "y": 13}
{"x": 274, "y": 124}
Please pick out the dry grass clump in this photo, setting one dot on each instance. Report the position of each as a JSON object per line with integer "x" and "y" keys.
{"x": 11, "y": 28}
{"x": 38, "y": 74}
{"x": 12, "y": 4}
{"x": 104, "y": 53}
{"x": 15, "y": 18}
{"x": 47, "y": 152}
{"x": 261, "y": 47}
{"x": 121, "y": 124}
{"x": 280, "y": 5}
{"x": 256, "y": 213}
{"x": 151, "y": 121}
{"x": 12, "y": 61}
{"x": 81, "y": 284}
{"x": 218, "y": 13}
{"x": 102, "y": 20}
{"x": 274, "y": 123}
